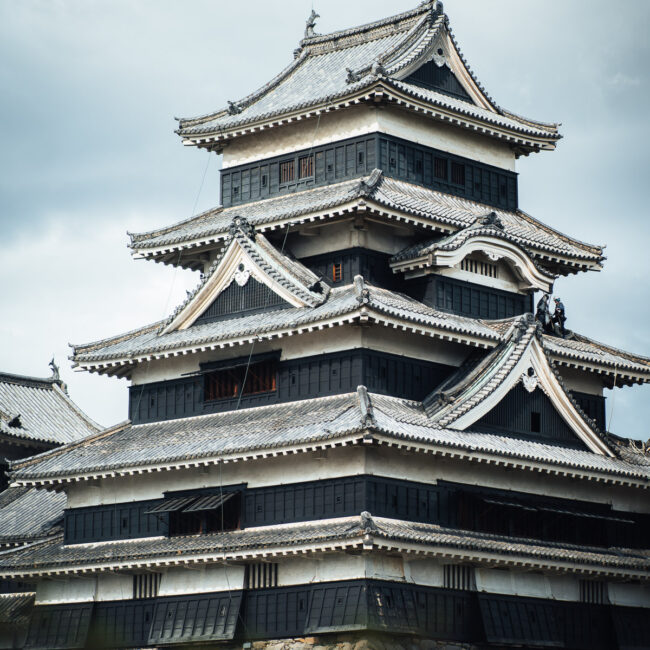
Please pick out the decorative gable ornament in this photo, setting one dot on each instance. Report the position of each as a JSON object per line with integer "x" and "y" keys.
{"x": 242, "y": 274}
{"x": 529, "y": 380}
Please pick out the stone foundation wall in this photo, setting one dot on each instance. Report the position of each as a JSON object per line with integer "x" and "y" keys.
{"x": 353, "y": 642}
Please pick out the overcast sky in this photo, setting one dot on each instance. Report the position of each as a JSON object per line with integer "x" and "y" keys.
{"x": 89, "y": 90}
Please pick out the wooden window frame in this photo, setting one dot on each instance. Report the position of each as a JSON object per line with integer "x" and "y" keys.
{"x": 287, "y": 171}
{"x": 306, "y": 166}
{"x": 262, "y": 377}
{"x": 337, "y": 272}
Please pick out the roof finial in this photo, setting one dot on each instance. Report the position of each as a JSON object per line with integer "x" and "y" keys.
{"x": 311, "y": 23}
{"x": 55, "y": 370}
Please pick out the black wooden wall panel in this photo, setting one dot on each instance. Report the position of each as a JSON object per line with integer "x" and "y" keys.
{"x": 593, "y": 406}
{"x": 114, "y": 521}
{"x": 316, "y": 376}
{"x": 337, "y": 607}
{"x": 355, "y": 157}
{"x": 467, "y": 298}
{"x": 203, "y": 617}
{"x": 514, "y": 415}
{"x": 372, "y": 265}
{"x": 447, "y": 173}
{"x": 59, "y": 627}
{"x": 437, "y": 78}
{"x": 121, "y": 624}
{"x": 235, "y": 301}
{"x": 632, "y": 628}
{"x": 275, "y": 613}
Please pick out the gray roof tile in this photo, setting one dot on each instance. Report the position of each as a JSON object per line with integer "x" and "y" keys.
{"x": 29, "y": 514}
{"x": 45, "y": 412}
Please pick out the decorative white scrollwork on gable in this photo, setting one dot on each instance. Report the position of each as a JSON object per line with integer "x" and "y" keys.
{"x": 242, "y": 274}
{"x": 495, "y": 257}
{"x": 529, "y": 380}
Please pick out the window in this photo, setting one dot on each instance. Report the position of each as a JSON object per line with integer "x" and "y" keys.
{"x": 146, "y": 585}
{"x": 480, "y": 267}
{"x": 227, "y": 383}
{"x": 305, "y": 167}
{"x": 287, "y": 171}
{"x": 235, "y": 191}
{"x": 593, "y": 591}
{"x": 535, "y": 422}
{"x": 264, "y": 180}
{"x": 457, "y": 173}
{"x": 337, "y": 272}
{"x": 458, "y": 576}
{"x": 261, "y": 575}
{"x": 360, "y": 158}
{"x": 440, "y": 168}
{"x": 418, "y": 166}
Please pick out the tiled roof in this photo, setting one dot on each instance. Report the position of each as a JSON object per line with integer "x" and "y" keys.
{"x": 40, "y": 410}
{"x": 389, "y": 534}
{"x": 331, "y": 68}
{"x": 29, "y": 514}
{"x": 341, "y": 303}
{"x": 304, "y": 424}
{"x": 16, "y": 609}
{"x": 430, "y": 208}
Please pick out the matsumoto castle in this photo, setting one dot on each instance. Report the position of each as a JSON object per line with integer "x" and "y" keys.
{"x": 365, "y": 428}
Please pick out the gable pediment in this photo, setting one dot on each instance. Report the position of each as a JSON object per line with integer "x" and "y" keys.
{"x": 249, "y": 275}
{"x": 439, "y": 78}
{"x": 491, "y": 394}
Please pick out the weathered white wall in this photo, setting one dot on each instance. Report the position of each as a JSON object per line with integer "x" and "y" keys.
{"x": 206, "y": 579}
{"x": 498, "y": 581}
{"x": 360, "y": 120}
{"x": 427, "y": 572}
{"x": 65, "y": 590}
{"x": 629, "y": 595}
{"x": 114, "y": 586}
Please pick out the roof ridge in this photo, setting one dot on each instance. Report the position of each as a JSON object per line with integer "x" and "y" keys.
{"x": 25, "y": 380}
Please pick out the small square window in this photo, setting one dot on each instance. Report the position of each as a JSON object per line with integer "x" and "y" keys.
{"x": 235, "y": 191}
{"x": 337, "y": 272}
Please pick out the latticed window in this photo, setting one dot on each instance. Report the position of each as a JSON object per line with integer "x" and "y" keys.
{"x": 287, "y": 171}
{"x": 261, "y": 575}
{"x": 306, "y": 166}
{"x": 457, "y": 173}
{"x": 593, "y": 591}
{"x": 337, "y": 272}
{"x": 458, "y": 576}
{"x": 146, "y": 585}
{"x": 480, "y": 267}
{"x": 440, "y": 168}
{"x": 227, "y": 383}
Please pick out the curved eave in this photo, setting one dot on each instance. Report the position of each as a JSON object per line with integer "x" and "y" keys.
{"x": 378, "y": 92}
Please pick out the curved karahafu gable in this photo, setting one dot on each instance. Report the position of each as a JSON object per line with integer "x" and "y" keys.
{"x": 377, "y": 62}
{"x": 486, "y": 237}
{"x": 249, "y": 255}
{"x": 472, "y": 392}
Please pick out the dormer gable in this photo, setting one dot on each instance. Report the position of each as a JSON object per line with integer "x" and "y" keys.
{"x": 249, "y": 275}
{"x": 517, "y": 367}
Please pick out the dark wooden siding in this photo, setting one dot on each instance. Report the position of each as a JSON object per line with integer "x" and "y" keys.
{"x": 114, "y": 521}
{"x": 234, "y": 301}
{"x": 632, "y": 627}
{"x": 202, "y": 617}
{"x": 356, "y": 157}
{"x": 121, "y": 624}
{"x": 447, "y": 173}
{"x": 532, "y": 415}
{"x": 276, "y": 613}
{"x": 593, "y": 406}
{"x": 331, "y": 163}
{"x": 453, "y": 505}
{"x": 467, "y": 298}
{"x": 372, "y": 265}
{"x": 437, "y": 78}
{"x": 510, "y": 620}
{"x": 316, "y": 376}
{"x": 59, "y": 627}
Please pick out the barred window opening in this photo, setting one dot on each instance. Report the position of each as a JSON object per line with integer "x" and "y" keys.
{"x": 593, "y": 591}
{"x": 287, "y": 171}
{"x": 337, "y": 272}
{"x": 480, "y": 268}
{"x": 459, "y": 576}
{"x": 227, "y": 384}
{"x": 305, "y": 167}
{"x": 146, "y": 585}
{"x": 261, "y": 575}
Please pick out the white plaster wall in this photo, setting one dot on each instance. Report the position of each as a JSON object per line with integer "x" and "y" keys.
{"x": 385, "y": 567}
{"x": 66, "y": 590}
{"x": 498, "y": 581}
{"x": 431, "y": 133}
{"x": 582, "y": 381}
{"x": 359, "y": 120}
{"x": 564, "y": 587}
{"x": 305, "y": 134}
{"x": 427, "y": 572}
{"x": 179, "y": 581}
{"x": 507, "y": 281}
{"x": 271, "y": 471}
{"x": 114, "y": 586}
{"x": 629, "y": 595}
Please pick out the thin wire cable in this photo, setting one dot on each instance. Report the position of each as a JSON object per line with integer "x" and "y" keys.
{"x": 611, "y": 411}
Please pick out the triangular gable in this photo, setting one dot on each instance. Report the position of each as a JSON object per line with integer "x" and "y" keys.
{"x": 442, "y": 67}
{"x": 475, "y": 391}
{"x": 249, "y": 258}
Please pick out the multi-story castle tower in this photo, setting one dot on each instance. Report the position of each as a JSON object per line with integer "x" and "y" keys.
{"x": 354, "y": 425}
